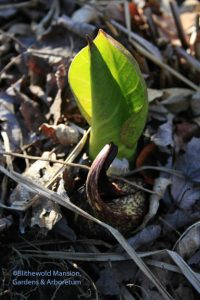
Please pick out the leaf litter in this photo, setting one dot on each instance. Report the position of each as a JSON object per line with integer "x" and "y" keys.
{"x": 38, "y": 112}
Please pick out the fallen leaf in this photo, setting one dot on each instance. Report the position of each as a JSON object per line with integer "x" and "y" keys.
{"x": 195, "y": 104}
{"x": 177, "y": 100}
{"x": 158, "y": 111}
{"x": 189, "y": 242}
{"x": 159, "y": 188}
{"x": 118, "y": 167}
{"x": 111, "y": 278}
{"x": 85, "y": 14}
{"x": 38, "y": 68}
{"x": 114, "y": 10}
{"x": 146, "y": 236}
{"x": 184, "y": 193}
{"x": 62, "y": 228}
{"x": 63, "y": 134}
{"x": 68, "y": 6}
{"x": 188, "y": 20}
{"x": 194, "y": 260}
{"x": 180, "y": 218}
{"x": 184, "y": 293}
{"x": 81, "y": 29}
{"x": 107, "y": 282}
{"x": 154, "y": 94}
{"x": 6, "y": 222}
{"x": 189, "y": 162}
{"x": 45, "y": 213}
{"x": 164, "y": 136}
{"x": 9, "y": 121}
{"x": 31, "y": 112}
{"x": 184, "y": 131}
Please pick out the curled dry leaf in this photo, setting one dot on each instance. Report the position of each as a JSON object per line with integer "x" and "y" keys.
{"x": 118, "y": 167}
{"x": 145, "y": 236}
{"x": 177, "y": 99}
{"x": 62, "y": 228}
{"x": 180, "y": 218}
{"x": 184, "y": 131}
{"x": 111, "y": 279}
{"x": 158, "y": 112}
{"x": 45, "y": 213}
{"x": 31, "y": 112}
{"x": 9, "y": 122}
{"x": 114, "y": 11}
{"x": 195, "y": 104}
{"x": 107, "y": 283}
{"x": 154, "y": 94}
{"x": 6, "y": 223}
{"x": 81, "y": 29}
{"x": 86, "y": 14}
{"x": 160, "y": 186}
{"x": 189, "y": 242}
{"x": 164, "y": 136}
{"x": 185, "y": 194}
{"x": 189, "y": 163}
{"x": 63, "y": 134}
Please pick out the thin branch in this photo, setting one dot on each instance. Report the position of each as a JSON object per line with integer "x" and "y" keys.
{"x": 161, "y": 169}
{"x": 134, "y": 185}
{"x": 179, "y": 26}
{"x": 45, "y": 159}
{"x": 18, "y": 5}
{"x": 10, "y": 36}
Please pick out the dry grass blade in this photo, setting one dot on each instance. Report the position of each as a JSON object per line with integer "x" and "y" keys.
{"x": 195, "y": 63}
{"x": 186, "y": 270}
{"x": 127, "y": 17}
{"x": 179, "y": 26}
{"x": 77, "y": 256}
{"x": 193, "y": 226}
{"x": 126, "y": 294}
{"x": 38, "y": 189}
{"x": 150, "y": 48}
{"x": 7, "y": 147}
{"x": 166, "y": 266}
{"x": 182, "y": 268}
{"x": 192, "y": 277}
{"x": 18, "y": 5}
{"x": 101, "y": 257}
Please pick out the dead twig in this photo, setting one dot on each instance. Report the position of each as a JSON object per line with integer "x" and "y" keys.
{"x": 192, "y": 61}
{"x": 134, "y": 185}
{"x": 152, "y": 27}
{"x": 161, "y": 169}
{"x": 13, "y": 38}
{"x": 44, "y": 159}
{"x": 19, "y": 5}
{"x": 179, "y": 26}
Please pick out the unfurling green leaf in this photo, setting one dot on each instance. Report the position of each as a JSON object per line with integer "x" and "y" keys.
{"x": 111, "y": 94}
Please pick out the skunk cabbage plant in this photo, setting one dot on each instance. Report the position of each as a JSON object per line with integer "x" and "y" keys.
{"x": 111, "y": 94}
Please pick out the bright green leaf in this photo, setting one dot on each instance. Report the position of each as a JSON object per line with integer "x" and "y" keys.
{"x": 110, "y": 93}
